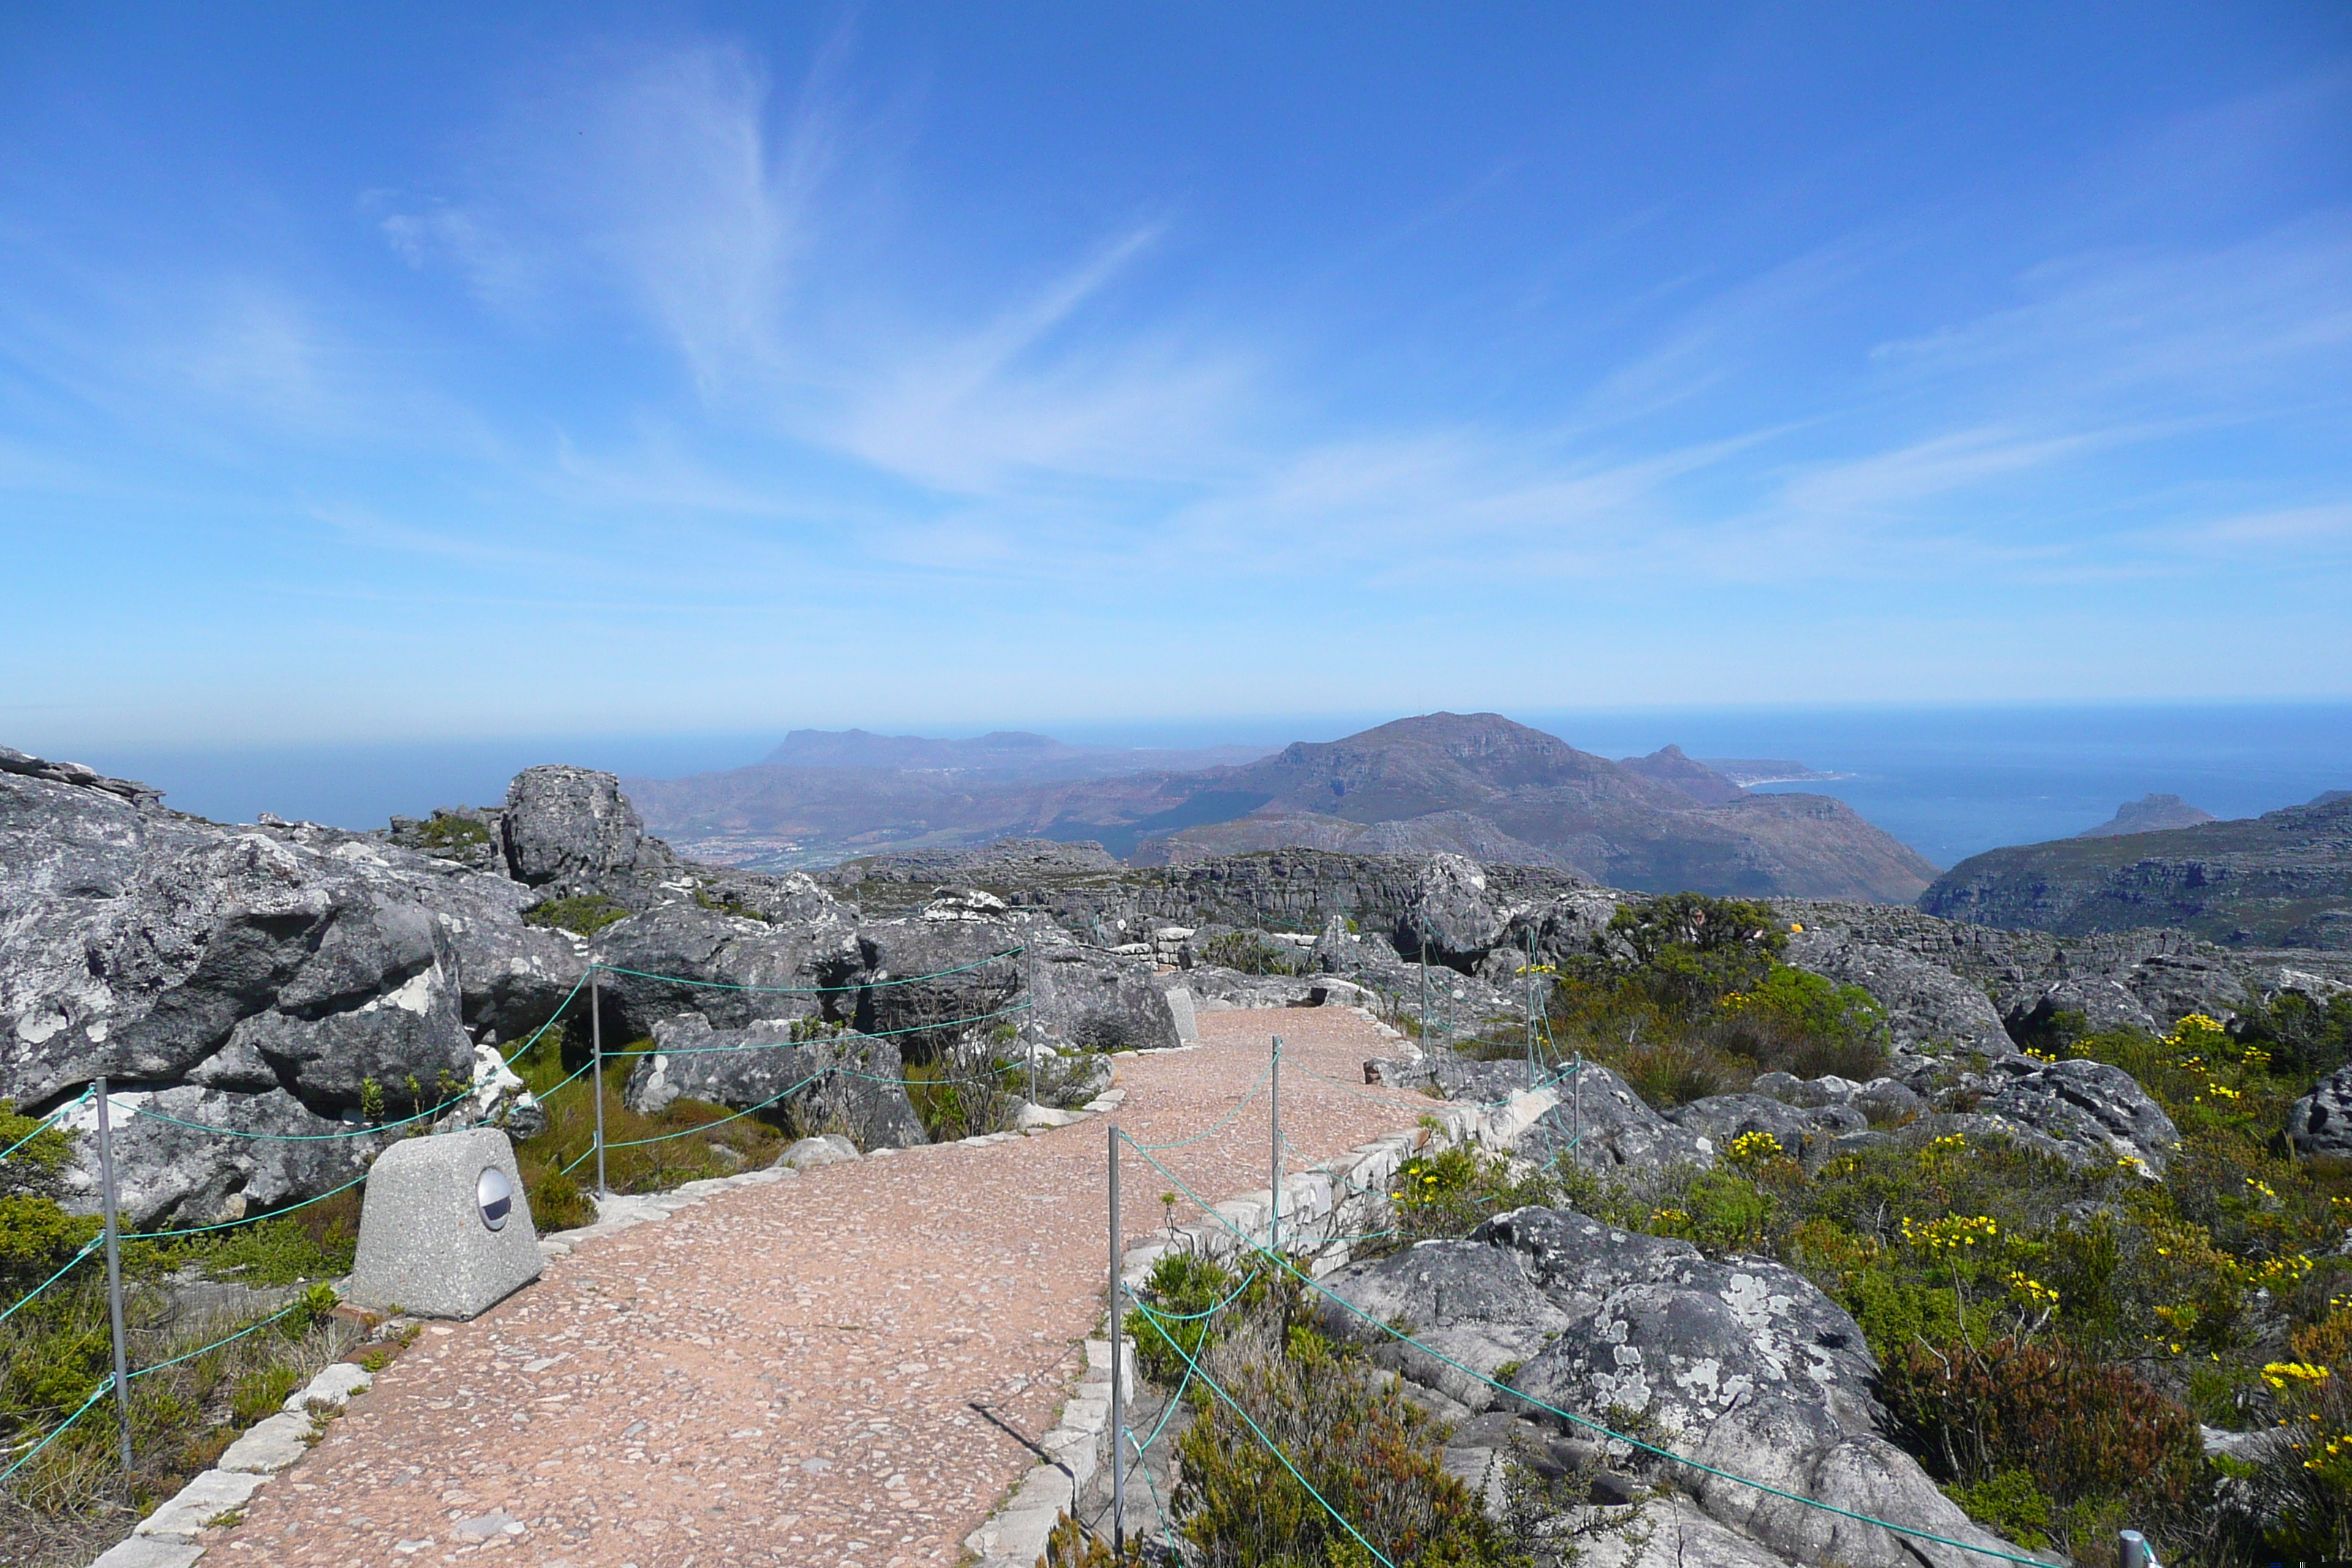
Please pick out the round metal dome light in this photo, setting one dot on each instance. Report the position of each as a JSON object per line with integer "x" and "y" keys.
{"x": 495, "y": 1195}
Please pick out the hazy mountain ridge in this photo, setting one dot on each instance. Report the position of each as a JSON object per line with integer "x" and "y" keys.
{"x": 1474, "y": 784}
{"x": 2281, "y": 879}
{"x": 2149, "y": 813}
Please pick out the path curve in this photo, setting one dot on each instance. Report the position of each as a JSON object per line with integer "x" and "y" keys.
{"x": 840, "y": 1369}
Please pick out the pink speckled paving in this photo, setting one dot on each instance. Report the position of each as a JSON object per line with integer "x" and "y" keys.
{"x": 820, "y": 1372}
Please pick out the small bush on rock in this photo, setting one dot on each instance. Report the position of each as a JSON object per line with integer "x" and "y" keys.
{"x": 2086, "y": 1433}
{"x": 1252, "y": 953}
{"x": 583, "y": 914}
{"x": 1371, "y": 1458}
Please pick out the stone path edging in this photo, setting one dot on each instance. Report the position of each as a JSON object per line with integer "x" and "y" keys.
{"x": 167, "y": 1537}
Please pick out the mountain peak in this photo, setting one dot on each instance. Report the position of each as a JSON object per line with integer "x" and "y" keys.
{"x": 2149, "y": 813}
{"x": 1669, "y": 765}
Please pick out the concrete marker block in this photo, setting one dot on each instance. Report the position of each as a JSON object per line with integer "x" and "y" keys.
{"x": 428, "y": 1243}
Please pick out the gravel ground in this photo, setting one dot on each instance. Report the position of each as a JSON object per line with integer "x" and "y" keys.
{"x": 842, "y": 1369}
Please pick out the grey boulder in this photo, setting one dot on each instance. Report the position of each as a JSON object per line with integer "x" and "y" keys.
{"x": 1452, "y": 918}
{"x": 846, "y": 1084}
{"x": 2321, "y": 1121}
{"x": 1601, "y": 1125}
{"x": 570, "y": 830}
{"x": 2096, "y": 1110}
{"x": 1741, "y": 1366}
{"x": 1930, "y": 1010}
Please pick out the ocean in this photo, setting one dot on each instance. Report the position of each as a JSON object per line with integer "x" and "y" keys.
{"x": 1954, "y": 781}
{"x": 1950, "y": 782}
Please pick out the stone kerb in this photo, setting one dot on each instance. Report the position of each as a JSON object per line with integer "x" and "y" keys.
{"x": 168, "y": 1537}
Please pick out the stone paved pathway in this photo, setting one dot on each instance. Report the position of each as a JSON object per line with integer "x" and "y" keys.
{"x": 837, "y": 1370}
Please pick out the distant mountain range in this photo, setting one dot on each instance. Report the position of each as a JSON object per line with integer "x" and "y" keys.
{"x": 2281, "y": 879}
{"x": 1477, "y": 784}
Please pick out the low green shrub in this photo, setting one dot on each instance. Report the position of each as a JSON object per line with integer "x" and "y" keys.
{"x": 443, "y": 831}
{"x": 1349, "y": 1438}
{"x": 582, "y": 914}
{"x": 1449, "y": 1192}
{"x": 1180, "y": 1288}
{"x": 1252, "y": 954}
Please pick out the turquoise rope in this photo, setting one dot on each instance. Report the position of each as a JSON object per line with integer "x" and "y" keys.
{"x": 47, "y": 1122}
{"x": 85, "y": 1252}
{"x": 253, "y": 1328}
{"x": 852, "y": 1035}
{"x": 705, "y": 1127}
{"x": 1567, "y": 1415}
{"x": 1174, "y": 1400}
{"x": 810, "y": 990}
{"x": 1196, "y": 1317}
{"x": 1167, "y": 1531}
{"x": 232, "y": 1224}
{"x": 373, "y": 1127}
{"x": 104, "y": 1387}
{"x": 1211, "y": 1385}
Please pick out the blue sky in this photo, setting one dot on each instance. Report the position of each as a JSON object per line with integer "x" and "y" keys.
{"x": 617, "y": 369}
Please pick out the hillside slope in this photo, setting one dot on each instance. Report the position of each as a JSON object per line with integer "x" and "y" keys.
{"x": 1465, "y": 782}
{"x": 2282, "y": 880}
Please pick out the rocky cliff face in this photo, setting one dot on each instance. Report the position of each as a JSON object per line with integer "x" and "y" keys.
{"x": 268, "y": 979}
{"x": 2282, "y": 879}
{"x": 1948, "y": 980}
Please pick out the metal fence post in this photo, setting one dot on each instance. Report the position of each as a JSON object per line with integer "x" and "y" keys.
{"x": 1273, "y": 1150}
{"x": 1117, "y": 1382}
{"x": 596, "y": 1043}
{"x": 2132, "y": 1551}
{"x": 113, "y": 1265}
{"x": 1531, "y": 1010}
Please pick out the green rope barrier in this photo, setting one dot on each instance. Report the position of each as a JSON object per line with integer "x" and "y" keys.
{"x": 810, "y": 990}
{"x": 49, "y": 1121}
{"x": 1271, "y": 1448}
{"x": 1583, "y": 1421}
{"x": 106, "y": 1386}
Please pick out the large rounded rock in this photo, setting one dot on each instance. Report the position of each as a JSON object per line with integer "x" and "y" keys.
{"x": 1928, "y": 1009}
{"x": 1452, "y": 918}
{"x": 2089, "y": 1107}
{"x": 570, "y": 830}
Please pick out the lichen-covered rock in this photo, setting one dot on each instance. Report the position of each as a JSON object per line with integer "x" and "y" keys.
{"x": 1601, "y": 1125}
{"x": 847, "y": 1084}
{"x": 1452, "y": 918}
{"x": 2093, "y": 1107}
{"x": 270, "y": 1150}
{"x": 154, "y": 947}
{"x": 2321, "y": 1121}
{"x": 1084, "y": 998}
{"x": 1742, "y": 1365}
{"x": 1928, "y": 1009}
{"x": 570, "y": 830}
